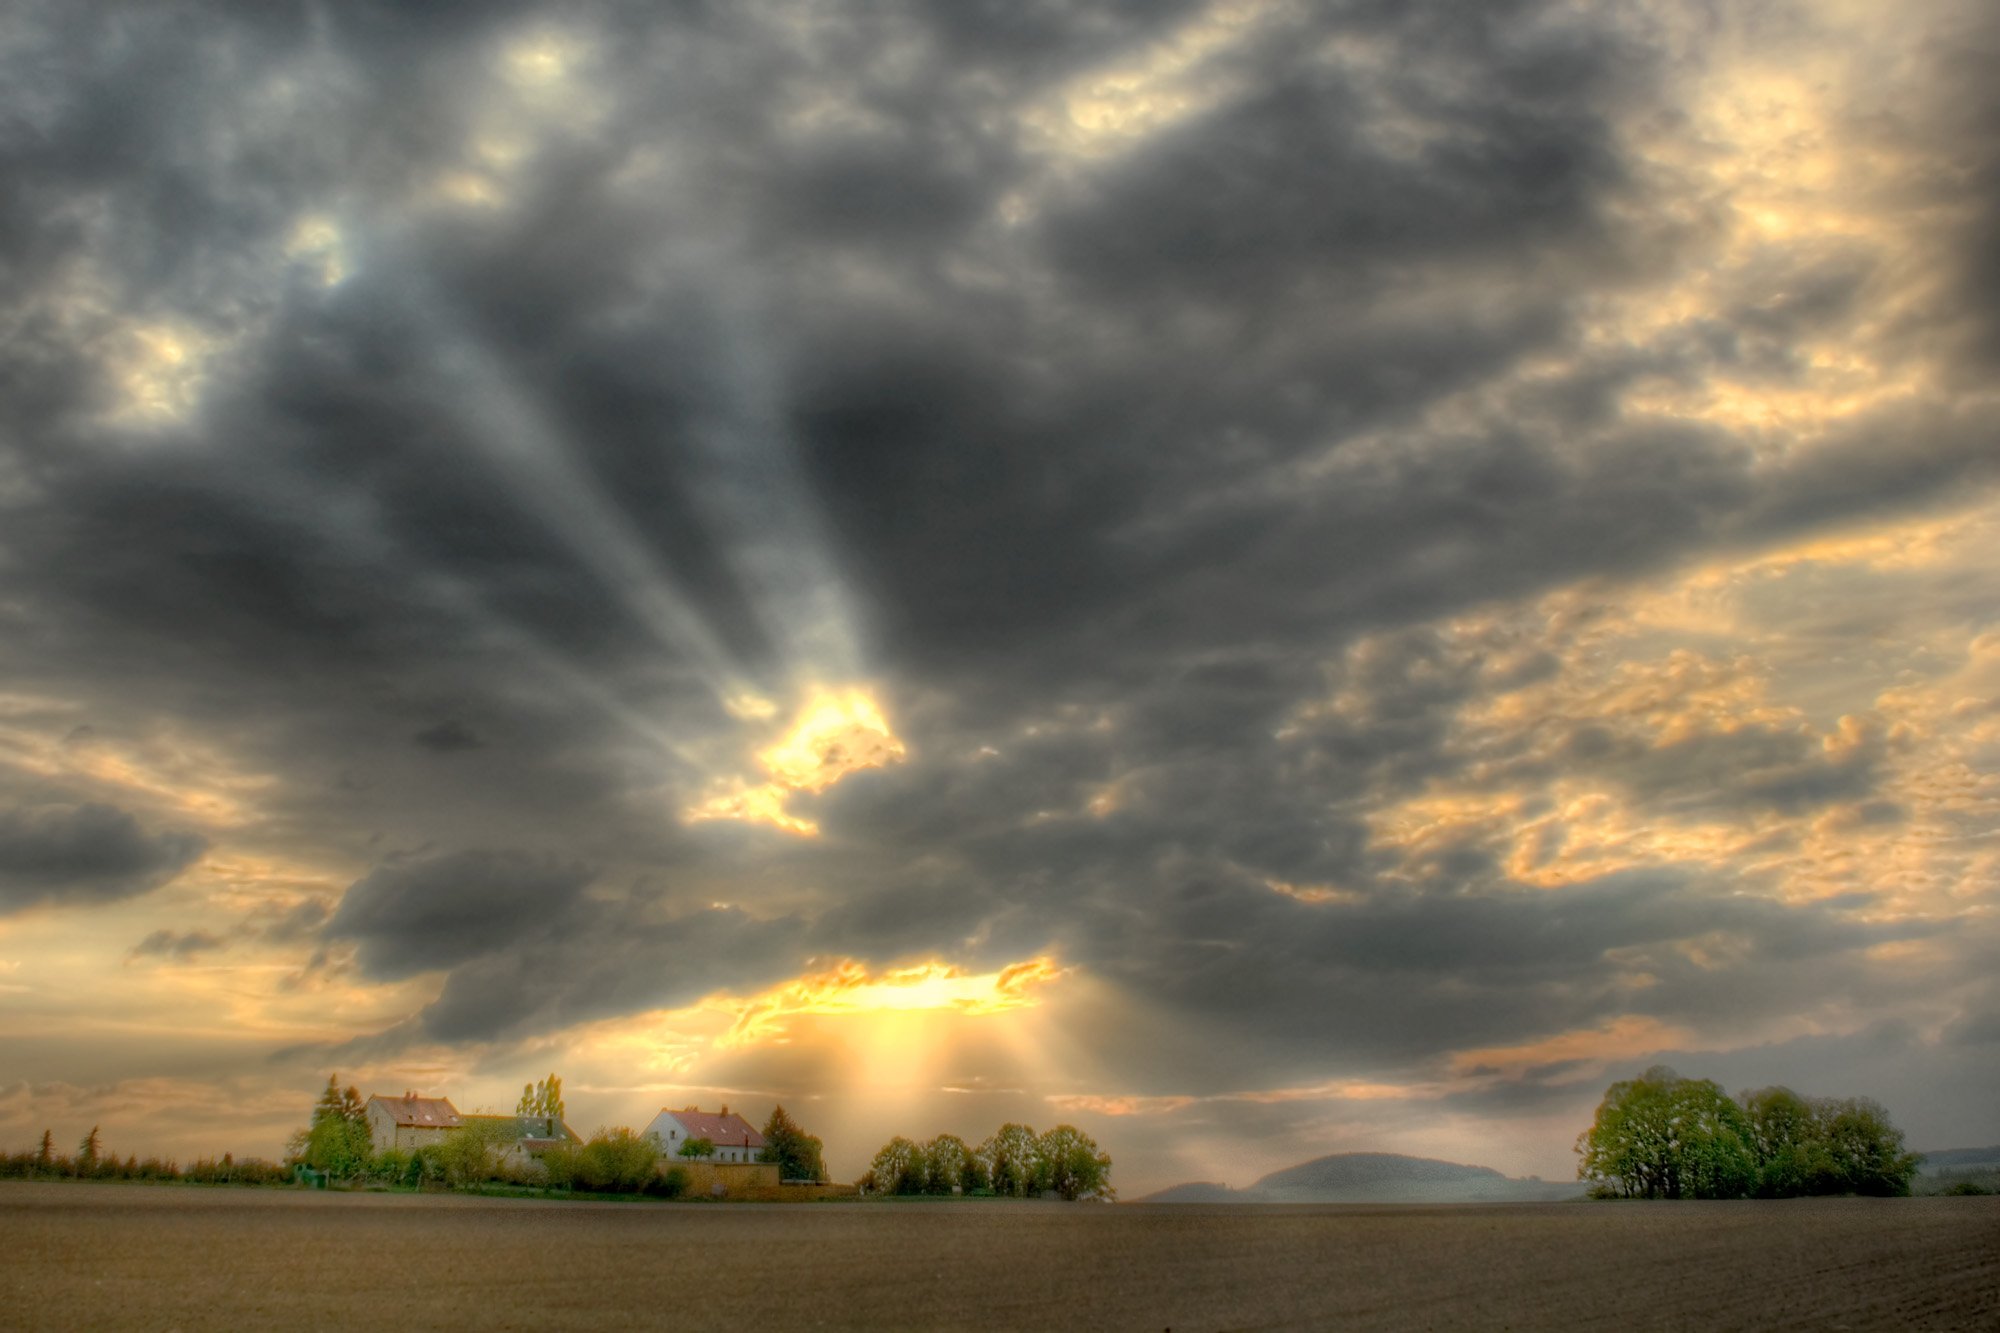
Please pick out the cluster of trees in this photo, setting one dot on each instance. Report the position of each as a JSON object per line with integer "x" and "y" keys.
{"x": 544, "y": 1101}
{"x": 797, "y": 1153}
{"x": 1015, "y": 1162}
{"x": 92, "y": 1162}
{"x": 612, "y": 1161}
{"x": 337, "y": 1142}
{"x": 1661, "y": 1136}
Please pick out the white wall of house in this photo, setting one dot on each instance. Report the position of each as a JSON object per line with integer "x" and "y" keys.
{"x": 671, "y": 1134}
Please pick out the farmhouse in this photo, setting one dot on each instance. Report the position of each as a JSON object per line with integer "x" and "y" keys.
{"x": 410, "y": 1121}
{"x": 521, "y": 1137}
{"x": 734, "y": 1138}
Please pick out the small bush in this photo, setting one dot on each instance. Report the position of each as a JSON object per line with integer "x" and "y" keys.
{"x": 671, "y": 1183}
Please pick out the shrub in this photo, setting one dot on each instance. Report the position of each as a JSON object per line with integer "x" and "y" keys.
{"x": 671, "y": 1183}
{"x": 612, "y": 1161}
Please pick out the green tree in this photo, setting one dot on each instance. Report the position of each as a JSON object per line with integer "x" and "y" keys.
{"x": 87, "y": 1153}
{"x": 898, "y": 1168}
{"x": 617, "y": 1160}
{"x": 1009, "y": 1160}
{"x": 45, "y": 1156}
{"x": 1866, "y": 1152}
{"x": 330, "y": 1106}
{"x": 471, "y": 1153}
{"x": 1070, "y": 1163}
{"x": 1661, "y": 1136}
{"x": 696, "y": 1147}
{"x": 545, "y": 1100}
{"x": 337, "y": 1142}
{"x": 946, "y": 1159}
{"x": 1788, "y": 1139}
{"x": 796, "y": 1152}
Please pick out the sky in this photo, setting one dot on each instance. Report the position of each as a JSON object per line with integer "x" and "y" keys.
{"x": 1263, "y": 579}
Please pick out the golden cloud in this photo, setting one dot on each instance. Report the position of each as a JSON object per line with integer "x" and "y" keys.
{"x": 849, "y": 988}
{"x": 1621, "y": 1039}
{"x": 837, "y": 733}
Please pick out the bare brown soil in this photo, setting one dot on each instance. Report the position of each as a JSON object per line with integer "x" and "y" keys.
{"x": 132, "y": 1256}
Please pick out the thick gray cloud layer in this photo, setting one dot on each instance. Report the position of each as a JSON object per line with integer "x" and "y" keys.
{"x": 542, "y": 374}
{"x": 84, "y": 854}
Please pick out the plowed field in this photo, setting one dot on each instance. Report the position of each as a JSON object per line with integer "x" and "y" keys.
{"x": 131, "y": 1256}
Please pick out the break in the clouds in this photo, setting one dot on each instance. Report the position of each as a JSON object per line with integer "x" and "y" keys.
{"x": 1249, "y": 573}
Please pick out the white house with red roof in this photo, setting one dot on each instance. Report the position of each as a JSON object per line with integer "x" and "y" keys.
{"x": 410, "y": 1121}
{"x": 735, "y": 1139}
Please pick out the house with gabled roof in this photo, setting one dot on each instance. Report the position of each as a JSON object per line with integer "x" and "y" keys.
{"x": 410, "y": 1121}
{"x": 735, "y": 1139}
{"x": 522, "y": 1135}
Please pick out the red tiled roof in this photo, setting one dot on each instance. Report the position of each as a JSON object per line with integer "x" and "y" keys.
{"x": 421, "y": 1112}
{"x": 721, "y": 1130}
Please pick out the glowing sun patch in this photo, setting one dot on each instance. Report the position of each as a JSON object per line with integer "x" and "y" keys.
{"x": 850, "y": 988}
{"x": 838, "y": 732}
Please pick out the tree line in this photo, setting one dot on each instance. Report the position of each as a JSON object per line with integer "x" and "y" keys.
{"x": 92, "y": 1161}
{"x": 1015, "y": 1162}
{"x": 1661, "y": 1136}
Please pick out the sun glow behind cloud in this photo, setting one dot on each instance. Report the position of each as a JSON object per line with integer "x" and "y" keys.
{"x": 850, "y": 988}
{"x": 836, "y": 733}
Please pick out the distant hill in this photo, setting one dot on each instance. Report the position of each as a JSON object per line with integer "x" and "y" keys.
{"x": 1200, "y": 1191}
{"x": 1960, "y": 1158}
{"x": 1376, "y": 1177}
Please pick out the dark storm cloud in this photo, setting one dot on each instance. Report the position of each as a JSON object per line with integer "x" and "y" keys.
{"x": 1965, "y": 109}
{"x": 84, "y": 854}
{"x": 1118, "y": 456}
{"x": 525, "y": 947}
{"x": 428, "y": 913}
{"x": 605, "y": 961}
{"x": 448, "y": 736}
{"x": 164, "y": 943}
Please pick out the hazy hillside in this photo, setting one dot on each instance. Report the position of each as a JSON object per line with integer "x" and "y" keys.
{"x": 1940, "y": 1159}
{"x": 1369, "y": 1177}
{"x": 1200, "y": 1191}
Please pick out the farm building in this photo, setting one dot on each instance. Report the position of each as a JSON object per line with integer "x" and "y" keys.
{"x": 522, "y": 1136}
{"x": 410, "y": 1121}
{"x": 735, "y": 1139}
